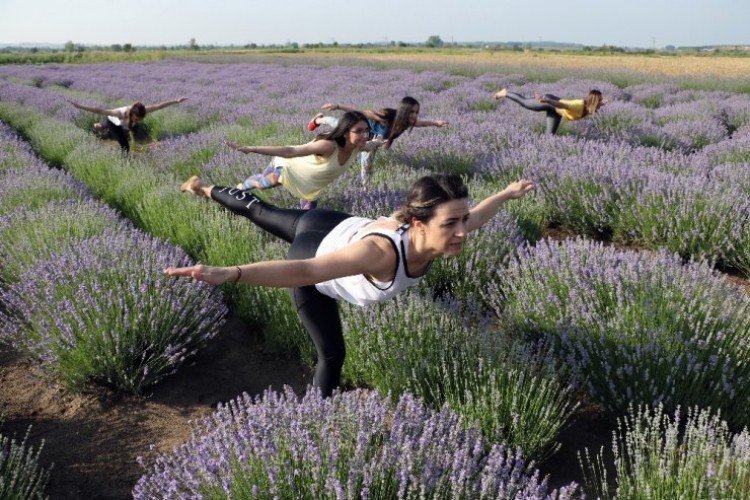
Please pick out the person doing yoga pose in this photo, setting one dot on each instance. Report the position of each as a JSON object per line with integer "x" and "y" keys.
{"x": 557, "y": 109}
{"x": 385, "y": 123}
{"x": 306, "y": 169}
{"x": 334, "y": 255}
{"x": 121, "y": 122}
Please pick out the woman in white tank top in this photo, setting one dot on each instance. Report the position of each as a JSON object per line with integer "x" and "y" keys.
{"x": 336, "y": 256}
{"x": 121, "y": 122}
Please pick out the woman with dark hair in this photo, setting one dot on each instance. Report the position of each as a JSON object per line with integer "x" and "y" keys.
{"x": 334, "y": 255}
{"x": 386, "y": 123}
{"x": 557, "y": 109}
{"x": 305, "y": 169}
{"x": 121, "y": 122}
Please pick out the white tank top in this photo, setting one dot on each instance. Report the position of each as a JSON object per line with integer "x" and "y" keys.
{"x": 120, "y": 121}
{"x": 359, "y": 289}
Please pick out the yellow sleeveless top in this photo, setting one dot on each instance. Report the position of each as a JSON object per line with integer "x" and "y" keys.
{"x": 575, "y": 111}
{"x": 306, "y": 176}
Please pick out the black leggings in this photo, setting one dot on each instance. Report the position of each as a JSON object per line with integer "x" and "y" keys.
{"x": 108, "y": 130}
{"x": 553, "y": 118}
{"x": 304, "y": 229}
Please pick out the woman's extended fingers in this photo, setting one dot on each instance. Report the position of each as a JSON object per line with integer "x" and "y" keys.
{"x": 209, "y": 274}
{"x": 184, "y": 272}
{"x": 520, "y": 188}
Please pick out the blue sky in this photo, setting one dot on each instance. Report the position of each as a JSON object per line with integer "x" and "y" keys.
{"x": 627, "y": 23}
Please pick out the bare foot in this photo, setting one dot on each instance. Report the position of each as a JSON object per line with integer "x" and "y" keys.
{"x": 501, "y": 93}
{"x": 192, "y": 185}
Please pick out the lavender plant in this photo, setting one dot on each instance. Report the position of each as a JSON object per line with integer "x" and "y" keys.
{"x": 27, "y": 237}
{"x": 352, "y": 445}
{"x": 445, "y": 353}
{"x": 639, "y": 327}
{"x": 21, "y": 476}
{"x": 688, "y": 217}
{"x": 103, "y": 311}
{"x": 662, "y": 456}
{"x": 36, "y": 187}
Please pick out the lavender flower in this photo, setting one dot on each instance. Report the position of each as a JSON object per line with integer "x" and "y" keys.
{"x": 351, "y": 445}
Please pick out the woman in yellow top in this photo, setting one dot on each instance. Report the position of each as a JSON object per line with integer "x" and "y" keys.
{"x": 305, "y": 169}
{"x": 556, "y": 108}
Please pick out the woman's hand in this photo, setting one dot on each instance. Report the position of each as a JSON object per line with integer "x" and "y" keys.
{"x": 179, "y": 100}
{"x": 441, "y": 123}
{"x": 518, "y": 189}
{"x": 330, "y": 106}
{"x": 542, "y": 99}
{"x": 209, "y": 274}
{"x": 237, "y": 147}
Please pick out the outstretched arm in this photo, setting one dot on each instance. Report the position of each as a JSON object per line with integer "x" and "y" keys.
{"x": 99, "y": 111}
{"x": 375, "y": 144}
{"x": 156, "y": 107}
{"x": 489, "y": 206}
{"x": 428, "y": 123}
{"x": 369, "y": 114}
{"x": 322, "y": 148}
{"x": 337, "y": 107}
{"x": 372, "y": 256}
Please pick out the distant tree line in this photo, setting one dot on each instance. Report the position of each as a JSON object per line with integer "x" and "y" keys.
{"x": 74, "y": 50}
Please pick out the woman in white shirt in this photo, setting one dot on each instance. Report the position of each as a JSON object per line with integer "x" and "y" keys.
{"x": 121, "y": 122}
{"x": 336, "y": 256}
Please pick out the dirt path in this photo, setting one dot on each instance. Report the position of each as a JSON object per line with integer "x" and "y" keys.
{"x": 93, "y": 439}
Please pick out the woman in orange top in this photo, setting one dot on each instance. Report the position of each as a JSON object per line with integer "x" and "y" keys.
{"x": 556, "y": 108}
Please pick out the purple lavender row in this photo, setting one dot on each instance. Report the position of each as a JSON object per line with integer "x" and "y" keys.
{"x": 639, "y": 327}
{"x": 352, "y": 445}
{"x": 85, "y": 295}
{"x": 287, "y": 96}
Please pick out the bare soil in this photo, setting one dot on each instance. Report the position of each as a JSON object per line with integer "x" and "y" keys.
{"x": 92, "y": 439}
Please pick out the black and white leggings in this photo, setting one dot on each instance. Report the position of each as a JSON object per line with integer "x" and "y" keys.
{"x": 304, "y": 229}
{"x": 553, "y": 118}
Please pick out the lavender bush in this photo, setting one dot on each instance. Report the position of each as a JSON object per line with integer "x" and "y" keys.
{"x": 27, "y": 237}
{"x": 639, "y": 327}
{"x": 352, "y": 445}
{"x": 21, "y": 477}
{"x": 105, "y": 312}
{"x": 664, "y": 456}
{"x": 436, "y": 351}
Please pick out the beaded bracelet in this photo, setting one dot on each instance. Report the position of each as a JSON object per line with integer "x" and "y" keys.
{"x": 239, "y": 274}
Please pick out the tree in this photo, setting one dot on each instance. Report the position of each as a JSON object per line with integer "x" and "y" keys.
{"x": 193, "y": 45}
{"x": 434, "y": 41}
{"x": 70, "y": 46}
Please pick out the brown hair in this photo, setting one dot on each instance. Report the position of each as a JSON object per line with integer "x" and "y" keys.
{"x": 426, "y": 194}
{"x": 346, "y": 123}
{"x": 397, "y": 120}
{"x": 137, "y": 110}
{"x": 592, "y": 102}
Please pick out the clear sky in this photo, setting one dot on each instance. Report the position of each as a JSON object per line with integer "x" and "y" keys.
{"x": 625, "y": 23}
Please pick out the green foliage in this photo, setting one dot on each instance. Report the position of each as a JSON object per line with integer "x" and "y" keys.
{"x": 410, "y": 344}
{"x": 483, "y": 105}
{"x": 29, "y": 237}
{"x": 684, "y": 456}
{"x": 21, "y": 477}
